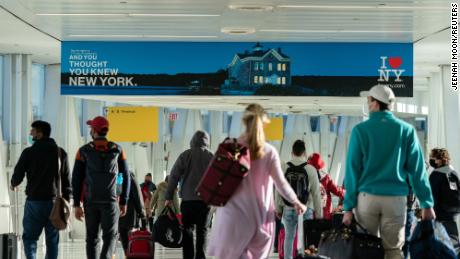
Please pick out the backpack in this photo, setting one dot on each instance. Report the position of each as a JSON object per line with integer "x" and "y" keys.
{"x": 298, "y": 180}
{"x": 451, "y": 194}
{"x": 101, "y": 172}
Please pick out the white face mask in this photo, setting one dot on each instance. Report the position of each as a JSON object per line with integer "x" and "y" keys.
{"x": 365, "y": 109}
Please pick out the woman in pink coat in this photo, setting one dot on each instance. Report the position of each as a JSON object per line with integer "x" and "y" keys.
{"x": 245, "y": 226}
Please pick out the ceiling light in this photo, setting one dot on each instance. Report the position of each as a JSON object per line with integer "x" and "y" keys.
{"x": 130, "y": 14}
{"x": 251, "y": 8}
{"x": 138, "y": 36}
{"x": 354, "y": 7}
{"x": 238, "y": 31}
{"x": 172, "y": 15}
{"x": 329, "y": 31}
{"x": 81, "y": 14}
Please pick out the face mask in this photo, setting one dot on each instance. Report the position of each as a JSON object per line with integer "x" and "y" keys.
{"x": 433, "y": 163}
{"x": 30, "y": 140}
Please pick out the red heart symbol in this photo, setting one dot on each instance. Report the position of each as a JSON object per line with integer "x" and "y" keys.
{"x": 395, "y": 62}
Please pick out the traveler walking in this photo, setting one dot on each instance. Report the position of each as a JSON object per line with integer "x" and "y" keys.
{"x": 147, "y": 189}
{"x": 134, "y": 213}
{"x": 157, "y": 203}
{"x": 444, "y": 183}
{"x": 40, "y": 165}
{"x": 97, "y": 166}
{"x": 304, "y": 180}
{"x": 383, "y": 152}
{"x": 244, "y": 227}
{"x": 189, "y": 169}
{"x": 328, "y": 187}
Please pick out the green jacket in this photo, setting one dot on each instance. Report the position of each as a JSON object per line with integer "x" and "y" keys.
{"x": 157, "y": 203}
{"x": 383, "y": 152}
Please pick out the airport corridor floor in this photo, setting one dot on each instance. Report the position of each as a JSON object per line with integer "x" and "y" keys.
{"x": 76, "y": 250}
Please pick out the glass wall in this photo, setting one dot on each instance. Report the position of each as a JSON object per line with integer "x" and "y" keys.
{"x": 38, "y": 90}
{"x": 1, "y": 88}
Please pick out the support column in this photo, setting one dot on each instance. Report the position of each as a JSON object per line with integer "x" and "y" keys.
{"x": 451, "y": 103}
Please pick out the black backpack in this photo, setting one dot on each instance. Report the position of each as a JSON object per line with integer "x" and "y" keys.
{"x": 298, "y": 179}
{"x": 451, "y": 194}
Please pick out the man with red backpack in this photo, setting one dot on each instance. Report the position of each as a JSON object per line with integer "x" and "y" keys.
{"x": 97, "y": 167}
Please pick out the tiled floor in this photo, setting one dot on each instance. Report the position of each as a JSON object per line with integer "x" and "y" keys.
{"x": 76, "y": 250}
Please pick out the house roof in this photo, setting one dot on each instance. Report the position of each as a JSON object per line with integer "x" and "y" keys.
{"x": 258, "y": 54}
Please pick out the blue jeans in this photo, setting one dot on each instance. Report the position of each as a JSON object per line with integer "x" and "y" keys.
{"x": 290, "y": 220}
{"x": 36, "y": 214}
{"x": 410, "y": 219}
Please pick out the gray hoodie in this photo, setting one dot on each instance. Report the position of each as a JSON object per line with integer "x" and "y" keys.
{"x": 190, "y": 167}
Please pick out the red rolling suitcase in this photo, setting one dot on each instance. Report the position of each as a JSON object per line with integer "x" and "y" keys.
{"x": 141, "y": 245}
{"x": 227, "y": 169}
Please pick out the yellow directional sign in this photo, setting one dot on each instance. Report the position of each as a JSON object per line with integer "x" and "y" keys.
{"x": 274, "y": 130}
{"x": 133, "y": 124}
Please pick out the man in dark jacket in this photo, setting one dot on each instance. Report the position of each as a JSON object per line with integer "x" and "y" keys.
{"x": 134, "y": 213}
{"x": 189, "y": 168}
{"x": 96, "y": 168}
{"x": 39, "y": 163}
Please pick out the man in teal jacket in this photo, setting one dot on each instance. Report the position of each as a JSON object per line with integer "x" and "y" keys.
{"x": 383, "y": 152}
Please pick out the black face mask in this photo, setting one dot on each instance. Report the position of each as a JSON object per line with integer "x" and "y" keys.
{"x": 433, "y": 164}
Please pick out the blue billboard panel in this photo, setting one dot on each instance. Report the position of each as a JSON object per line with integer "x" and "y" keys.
{"x": 234, "y": 68}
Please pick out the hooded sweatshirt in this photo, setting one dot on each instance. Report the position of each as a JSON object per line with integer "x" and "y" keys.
{"x": 438, "y": 182}
{"x": 190, "y": 167}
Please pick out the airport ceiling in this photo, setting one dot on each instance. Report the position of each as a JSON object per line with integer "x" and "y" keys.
{"x": 38, "y": 26}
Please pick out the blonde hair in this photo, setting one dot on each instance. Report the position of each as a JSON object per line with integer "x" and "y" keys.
{"x": 254, "y": 118}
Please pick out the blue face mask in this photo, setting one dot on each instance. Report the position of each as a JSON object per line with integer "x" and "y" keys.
{"x": 30, "y": 139}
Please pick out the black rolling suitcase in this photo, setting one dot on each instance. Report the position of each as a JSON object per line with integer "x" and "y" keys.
{"x": 313, "y": 229}
{"x": 9, "y": 246}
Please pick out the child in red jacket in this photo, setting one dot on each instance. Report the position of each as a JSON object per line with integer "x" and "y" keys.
{"x": 327, "y": 185}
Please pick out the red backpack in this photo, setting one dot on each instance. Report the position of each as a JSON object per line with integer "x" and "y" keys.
{"x": 227, "y": 169}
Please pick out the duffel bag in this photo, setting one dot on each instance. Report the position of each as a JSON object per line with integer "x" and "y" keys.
{"x": 347, "y": 243}
{"x": 167, "y": 230}
{"x": 224, "y": 174}
{"x": 431, "y": 241}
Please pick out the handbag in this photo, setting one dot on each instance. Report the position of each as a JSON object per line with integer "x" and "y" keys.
{"x": 313, "y": 229}
{"x": 347, "y": 243}
{"x": 60, "y": 213}
{"x": 431, "y": 241}
{"x": 167, "y": 230}
{"x": 224, "y": 174}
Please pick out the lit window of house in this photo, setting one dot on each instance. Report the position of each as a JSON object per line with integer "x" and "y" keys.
{"x": 270, "y": 66}
{"x": 283, "y": 80}
{"x": 284, "y": 67}
{"x": 256, "y": 79}
{"x": 278, "y": 80}
{"x": 256, "y": 66}
{"x": 261, "y": 66}
{"x": 279, "y": 66}
{"x": 261, "y": 79}
{"x": 266, "y": 80}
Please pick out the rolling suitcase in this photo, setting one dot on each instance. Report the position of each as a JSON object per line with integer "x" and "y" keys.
{"x": 140, "y": 245}
{"x": 9, "y": 246}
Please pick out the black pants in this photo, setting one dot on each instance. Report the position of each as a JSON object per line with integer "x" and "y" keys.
{"x": 105, "y": 216}
{"x": 277, "y": 232}
{"x": 194, "y": 213}
{"x": 452, "y": 231}
{"x": 150, "y": 224}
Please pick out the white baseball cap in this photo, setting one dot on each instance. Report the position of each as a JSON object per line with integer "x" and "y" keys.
{"x": 382, "y": 93}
